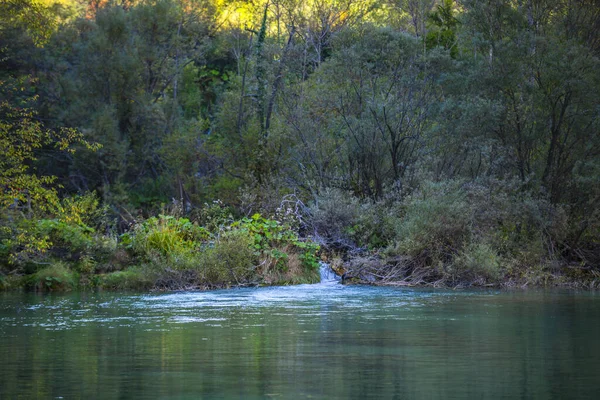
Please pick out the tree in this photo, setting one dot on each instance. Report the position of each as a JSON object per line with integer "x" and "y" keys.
{"x": 119, "y": 78}
{"x": 22, "y": 138}
{"x": 379, "y": 93}
{"x": 444, "y": 27}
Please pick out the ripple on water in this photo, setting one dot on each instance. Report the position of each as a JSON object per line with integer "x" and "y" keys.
{"x": 210, "y": 308}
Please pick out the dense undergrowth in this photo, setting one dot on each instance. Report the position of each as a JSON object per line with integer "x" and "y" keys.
{"x": 456, "y": 234}
{"x": 452, "y": 234}
{"x": 170, "y": 252}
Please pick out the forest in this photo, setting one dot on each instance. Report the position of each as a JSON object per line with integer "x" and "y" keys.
{"x": 197, "y": 144}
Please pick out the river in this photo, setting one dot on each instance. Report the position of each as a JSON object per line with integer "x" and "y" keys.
{"x": 322, "y": 341}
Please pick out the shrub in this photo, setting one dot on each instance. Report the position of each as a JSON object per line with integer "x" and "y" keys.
{"x": 165, "y": 235}
{"x": 36, "y": 241}
{"x": 9, "y": 282}
{"x": 214, "y": 216}
{"x": 82, "y": 210}
{"x": 332, "y": 214}
{"x": 103, "y": 249}
{"x": 270, "y": 238}
{"x": 57, "y": 277}
{"x": 65, "y": 235}
{"x": 343, "y": 220}
{"x": 374, "y": 226}
{"x": 134, "y": 278}
{"x": 295, "y": 271}
{"x": 86, "y": 265}
{"x": 478, "y": 261}
{"x": 435, "y": 224}
{"x": 231, "y": 260}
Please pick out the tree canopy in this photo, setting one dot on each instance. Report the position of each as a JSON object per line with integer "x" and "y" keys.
{"x": 378, "y": 101}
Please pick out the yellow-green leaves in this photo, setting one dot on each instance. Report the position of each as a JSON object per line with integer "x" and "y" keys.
{"x": 22, "y": 137}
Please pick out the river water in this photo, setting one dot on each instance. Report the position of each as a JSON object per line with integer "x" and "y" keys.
{"x": 323, "y": 341}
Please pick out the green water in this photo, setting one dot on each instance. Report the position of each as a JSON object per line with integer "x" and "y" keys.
{"x": 310, "y": 341}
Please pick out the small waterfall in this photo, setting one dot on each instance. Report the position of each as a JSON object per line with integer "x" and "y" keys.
{"x": 327, "y": 274}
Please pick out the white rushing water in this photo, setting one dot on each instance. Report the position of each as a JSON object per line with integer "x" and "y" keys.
{"x": 327, "y": 274}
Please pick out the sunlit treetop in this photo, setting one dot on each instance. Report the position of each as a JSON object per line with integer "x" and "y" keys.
{"x": 247, "y": 14}
{"x": 32, "y": 15}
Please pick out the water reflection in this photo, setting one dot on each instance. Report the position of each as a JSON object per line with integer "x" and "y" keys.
{"x": 308, "y": 341}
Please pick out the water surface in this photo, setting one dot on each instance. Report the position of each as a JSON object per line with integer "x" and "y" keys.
{"x": 311, "y": 341}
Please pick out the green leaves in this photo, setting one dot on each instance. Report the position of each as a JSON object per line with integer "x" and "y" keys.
{"x": 22, "y": 137}
{"x": 166, "y": 235}
{"x": 270, "y": 236}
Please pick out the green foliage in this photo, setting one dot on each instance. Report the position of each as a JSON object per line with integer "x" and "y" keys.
{"x": 473, "y": 232}
{"x": 334, "y": 214}
{"x": 67, "y": 236}
{"x": 22, "y": 136}
{"x": 131, "y": 61}
{"x": 75, "y": 237}
{"x": 269, "y": 236}
{"x": 57, "y": 277}
{"x": 435, "y": 222}
{"x": 28, "y": 242}
{"x": 182, "y": 254}
{"x": 476, "y": 261}
{"x": 444, "y": 28}
{"x": 11, "y": 282}
{"x": 134, "y": 278}
{"x": 446, "y": 137}
{"x": 309, "y": 257}
{"x": 231, "y": 260}
{"x": 182, "y": 152}
{"x": 215, "y": 216}
{"x": 345, "y": 220}
{"x": 365, "y": 114}
{"x": 165, "y": 235}
{"x": 37, "y": 19}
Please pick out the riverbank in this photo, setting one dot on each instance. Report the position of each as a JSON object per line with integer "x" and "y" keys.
{"x": 442, "y": 236}
{"x": 235, "y": 269}
{"x": 160, "y": 253}
{"x": 401, "y": 272}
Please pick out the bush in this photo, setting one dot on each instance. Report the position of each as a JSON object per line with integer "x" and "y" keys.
{"x": 375, "y": 225}
{"x": 231, "y": 260}
{"x": 274, "y": 240}
{"x": 344, "y": 221}
{"x": 171, "y": 253}
{"x": 435, "y": 224}
{"x": 293, "y": 270}
{"x": 104, "y": 251}
{"x": 134, "y": 278}
{"x": 477, "y": 262}
{"x": 9, "y": 282}
{"x": 333, "y": 213}
{"x": 65, "y": 235}
{"x": 57, "y": 277}
{"x": 214, "y": 216}
{"x": 166, "y": 236}
{"x": 183, "y": 255}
